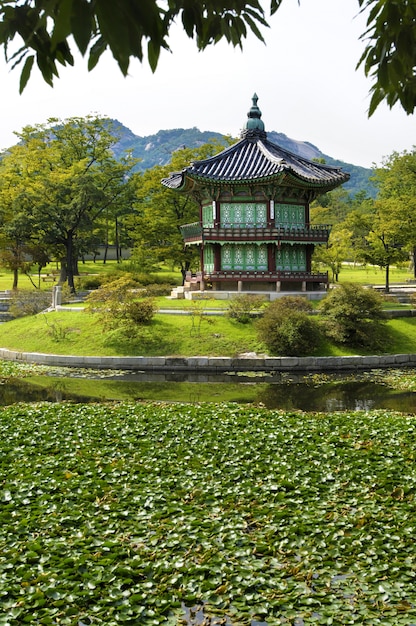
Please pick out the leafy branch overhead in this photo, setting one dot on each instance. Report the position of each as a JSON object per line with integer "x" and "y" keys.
{"x": 127, "y": 28}
{"x": 136, "y": 28}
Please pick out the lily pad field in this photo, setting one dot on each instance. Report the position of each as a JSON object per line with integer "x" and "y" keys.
{"x": 127, "y": 513}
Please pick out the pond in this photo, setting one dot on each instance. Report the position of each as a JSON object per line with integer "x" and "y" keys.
{"x": 363, "y": 391}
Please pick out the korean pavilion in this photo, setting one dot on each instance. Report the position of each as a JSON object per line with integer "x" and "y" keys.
{"x": 254, "y": 233}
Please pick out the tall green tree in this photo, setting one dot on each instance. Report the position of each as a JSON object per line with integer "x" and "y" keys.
{"x": 66, "y": 177}
{"x": 45, "y": 30}
{"x": 396, "y": 182}
{"x": 160, "y": 212}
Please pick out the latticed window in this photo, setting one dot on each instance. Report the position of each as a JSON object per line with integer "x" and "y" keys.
{"x": 247, "y": 257}
{"x": 290, "y": 215}
{"x": 291, "y": 259}
{"x": 208, "y": 258}
{"x": 208, "y": 216}
{"x": 243, "y": 214}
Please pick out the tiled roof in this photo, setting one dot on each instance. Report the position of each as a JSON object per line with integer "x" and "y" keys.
{"x": 257, "y": 159}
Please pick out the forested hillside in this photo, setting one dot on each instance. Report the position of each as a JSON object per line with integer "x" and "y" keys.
{"x": 157, "y": 150}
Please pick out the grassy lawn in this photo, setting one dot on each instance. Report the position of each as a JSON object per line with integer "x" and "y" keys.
{"x": 138, "y": 514}
{"x": 371, "y": 275}
{"x": 87, "y": 268}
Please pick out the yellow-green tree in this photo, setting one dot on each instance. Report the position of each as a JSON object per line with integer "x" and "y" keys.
{"x": 62, "y": 176}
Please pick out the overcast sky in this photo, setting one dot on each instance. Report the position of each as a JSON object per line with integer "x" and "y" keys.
{"x": 304, "y": 76}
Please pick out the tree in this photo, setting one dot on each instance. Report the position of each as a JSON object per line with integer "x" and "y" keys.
{"x": 378, "y": 237}
{"x": 396, "y": 181}
{"x": 66, "y": 177}
{"x": 20, "y": 246}
{"x": 44, "y": 29}
{"x": 159, "y": 212}
{"x": 335, "y": 252}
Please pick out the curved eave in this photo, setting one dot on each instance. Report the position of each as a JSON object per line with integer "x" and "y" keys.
{"x": 257, "y": 162}
{"x": 185, "y": 181}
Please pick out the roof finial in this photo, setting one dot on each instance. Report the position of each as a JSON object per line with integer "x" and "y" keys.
{"x": 254, "y": 127}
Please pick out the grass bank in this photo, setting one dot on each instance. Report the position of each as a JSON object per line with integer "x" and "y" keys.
{"x": 82, "y": 333}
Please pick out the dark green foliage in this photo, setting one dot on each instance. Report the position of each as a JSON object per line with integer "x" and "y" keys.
{"x": 288, "y": 329}
{"x": 90, "y": 282}
{"x": 46, "y": 30}
{"x": 353, "y": 315}
{"x": 390, "y": 54}
{"x": 243, "y": 308}
{"x": 29, "y": 302}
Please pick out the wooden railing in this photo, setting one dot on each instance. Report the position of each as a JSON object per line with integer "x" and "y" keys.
{"x": 278, "y": 275}
{"x": 250, "y": 232}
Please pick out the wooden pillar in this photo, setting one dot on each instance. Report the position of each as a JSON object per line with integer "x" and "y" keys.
{"x": 271, "y": 257}
{"x": 309, "y": 251}
{"x": 217, "y": 257}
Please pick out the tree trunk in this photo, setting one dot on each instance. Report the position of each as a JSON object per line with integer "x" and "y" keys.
{"x": 387, "y": 287}
{"x": 62, "y": 272}
{"x": 116, "y": 241}
{"x": 70, "y": 262}
{"x": 15, "y": 278}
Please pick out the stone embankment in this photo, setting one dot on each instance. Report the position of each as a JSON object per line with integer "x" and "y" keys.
{"x": 243, "y": 363}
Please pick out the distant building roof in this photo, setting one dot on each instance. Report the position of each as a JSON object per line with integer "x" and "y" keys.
{"x": 255, "y": 159}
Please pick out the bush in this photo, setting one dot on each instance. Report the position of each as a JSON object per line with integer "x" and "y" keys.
{"x": 120, "y": 307}
{"x": 90, "y": 282}
{"x": 287, "y": 330}
{"x": 243, "y": 308}
{"x": 155, "y": 289}
{"x": 137, "y": 311}
{"x": 354, "y": 316}
{"x": 25, "y": 303}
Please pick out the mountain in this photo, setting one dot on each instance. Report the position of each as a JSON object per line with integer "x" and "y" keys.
{"x": 157, "y": 150}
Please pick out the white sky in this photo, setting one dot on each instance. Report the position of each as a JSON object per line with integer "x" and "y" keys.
{"x": 304, "y": 76}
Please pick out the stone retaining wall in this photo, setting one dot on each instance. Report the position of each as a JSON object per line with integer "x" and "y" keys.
{"x": 215, "y": 364}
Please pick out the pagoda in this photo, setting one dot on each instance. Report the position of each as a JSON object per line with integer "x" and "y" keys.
{"x": 254, "y": 233}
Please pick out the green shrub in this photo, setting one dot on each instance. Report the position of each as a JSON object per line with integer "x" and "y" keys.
{"x": 243, "y": 308}
{"x": 25, "y": 303}
{"x": 290, "y": 303}
{"x": 287, "y": 328}
{"x": 353, "y": 315}
{"x": 120, "y": 307}
{"x": 137, "y": 311}
{"x": 157, "y": 289}
{"x": 90, "y": 282}
{"x": 111, "y": 292}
